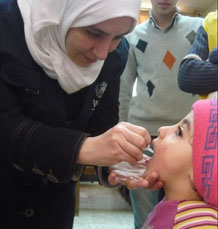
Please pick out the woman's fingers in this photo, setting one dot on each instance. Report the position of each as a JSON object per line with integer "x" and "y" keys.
{"x": 131, "y": 153}
{"x": 132, "y": 140}
{"x": 138, "y": 135}
{"x": 112, "y": 179}
{"x": 153, "y": 181}
{"x": 123, "y": 142}
{"x": 150, "y": 182}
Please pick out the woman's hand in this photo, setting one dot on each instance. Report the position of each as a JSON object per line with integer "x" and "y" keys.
{"x": 123, "y": 142}
{"x": 126, "y": 170}
{"x": 134, "y": 176}
{"x": 151, "y": 182}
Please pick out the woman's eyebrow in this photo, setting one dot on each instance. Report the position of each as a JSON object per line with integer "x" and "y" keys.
{"x": 187, "y": 123}
{"x": 98, "y": 30}
{"x": 105, "y": 33}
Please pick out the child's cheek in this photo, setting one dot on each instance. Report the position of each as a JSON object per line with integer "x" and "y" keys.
{"x": 153, "y": 165}
{"x": 157, "y": 161}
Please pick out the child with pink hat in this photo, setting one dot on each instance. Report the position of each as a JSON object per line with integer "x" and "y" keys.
{"x": 185, "y": 157}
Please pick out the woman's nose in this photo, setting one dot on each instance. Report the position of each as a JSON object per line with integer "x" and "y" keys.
{"x": 102, "y": 48}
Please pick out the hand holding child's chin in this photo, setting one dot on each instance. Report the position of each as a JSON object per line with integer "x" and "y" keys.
{"x": 150, "y": 182}
{"x": 134, "y": 177}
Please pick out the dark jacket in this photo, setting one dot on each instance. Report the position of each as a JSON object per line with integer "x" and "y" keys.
{"x": 199, "y": 76}
{"x": 42, "y": 129}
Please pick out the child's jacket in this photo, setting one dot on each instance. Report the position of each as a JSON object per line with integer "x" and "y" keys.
{"x": 183, "y": 214}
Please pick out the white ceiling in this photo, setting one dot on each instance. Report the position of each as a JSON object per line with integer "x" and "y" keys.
{"x": 188, "y": 5}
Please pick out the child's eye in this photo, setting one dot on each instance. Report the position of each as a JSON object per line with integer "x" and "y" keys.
{"x": 179, "y": 131}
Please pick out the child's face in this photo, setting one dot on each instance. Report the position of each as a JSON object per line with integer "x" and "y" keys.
{"x": 173, "y": 151}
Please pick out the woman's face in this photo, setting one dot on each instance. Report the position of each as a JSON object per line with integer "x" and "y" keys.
{"x": 86, "y": 45}
{"x": 173, "y": 150}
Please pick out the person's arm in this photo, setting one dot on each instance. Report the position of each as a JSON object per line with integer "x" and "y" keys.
{"x": 197, "y": 74}
{"x": 55, "y": 152}
{"x": 127, "y": 81}
{"x": 31, "y": 146}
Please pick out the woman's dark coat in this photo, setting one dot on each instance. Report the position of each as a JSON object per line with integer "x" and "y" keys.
{"x": 42, "y": 129}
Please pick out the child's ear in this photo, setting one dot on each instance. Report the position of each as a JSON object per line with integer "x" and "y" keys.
{"x": 190, "y": 140}
{"x": 191, "y": 177}
{"x": 193, "y": 184}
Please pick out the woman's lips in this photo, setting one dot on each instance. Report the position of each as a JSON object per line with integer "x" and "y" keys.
{"x": 89, "y": 60}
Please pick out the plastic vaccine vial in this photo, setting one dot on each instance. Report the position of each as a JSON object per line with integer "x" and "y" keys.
{"x": 148, "y": 151}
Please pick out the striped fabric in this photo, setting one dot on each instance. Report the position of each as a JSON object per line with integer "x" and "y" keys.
{"x": 195, "y": 214}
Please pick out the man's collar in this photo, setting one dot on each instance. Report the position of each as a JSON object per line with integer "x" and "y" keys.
{"x": 173, "y": 22}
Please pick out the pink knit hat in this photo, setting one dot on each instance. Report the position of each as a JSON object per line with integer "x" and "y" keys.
{"x": 205, "y": 149}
